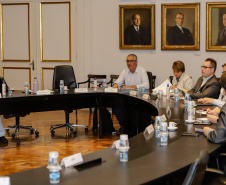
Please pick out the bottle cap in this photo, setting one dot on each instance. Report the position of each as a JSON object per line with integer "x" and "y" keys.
{"x": 167, "y": 85}
{"x": 190, "y": 99}
{"x": 95, "y": 78}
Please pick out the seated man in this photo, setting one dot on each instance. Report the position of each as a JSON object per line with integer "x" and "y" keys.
{"x": 2, "y": 133}
{"x": 207, "y": 85}
{"x": 221, "y": 99}
{"x": 181, "y": 80}
{"x": 218, "y": 135}
{"x": 133, "y": 77}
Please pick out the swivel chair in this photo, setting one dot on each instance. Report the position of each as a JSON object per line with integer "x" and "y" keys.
{"x": 150, "y": 79}
{"x": 66, "y": 73}
{"x": 17, "y": 127}
{"x": 198, "y": 168}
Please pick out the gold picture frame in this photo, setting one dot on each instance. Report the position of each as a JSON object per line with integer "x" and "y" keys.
{"x": 144, "y": 36}
{"x": 185, "y": 36}
{"x": 215, "y": 35}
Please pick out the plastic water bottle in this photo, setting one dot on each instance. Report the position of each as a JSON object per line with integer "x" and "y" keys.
{"x": 176, "y": 95}
{"x": 61, "y": 85}
{"x": 167, "y": 92}
{"x": 3, "y": 88}
{"x": 158, "y": 121}
{"x": 35, "y": 85}
{"x": 190, "y": 110}
{"x": 95, "y": 84}
{"x": 104, "y": 84}
{"x": 26, "y": 88}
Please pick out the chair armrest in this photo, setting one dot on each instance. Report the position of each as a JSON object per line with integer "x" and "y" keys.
{"x": 212, "y": 170}
{"x": 83, "y": 82}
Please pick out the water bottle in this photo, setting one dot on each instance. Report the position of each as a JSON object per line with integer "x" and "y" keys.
{"x": 3, "y": 88}
{"x": 95, "y": 84}
{"x": 26, "y": 88}
{"x": 190, "y": 110}
{"x": 167, "y": 92}
{"x": 176, "y": 95}
{"x": 104, "y": 84}
{"x": 35, "y": 85}
{"x": 158, "y": 121}
{"x": 61, "y": 85}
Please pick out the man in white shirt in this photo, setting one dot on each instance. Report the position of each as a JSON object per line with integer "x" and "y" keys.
{"x": 207, "y": 85}
{"x": 134, "y": 76}
{"x": 2, "y": 133}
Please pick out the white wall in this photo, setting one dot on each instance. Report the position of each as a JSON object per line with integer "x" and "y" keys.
{"x": 98, "y": 42}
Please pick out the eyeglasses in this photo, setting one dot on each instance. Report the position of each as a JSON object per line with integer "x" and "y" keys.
{"x": 205, "y": 67}
{"x": 130, "y": 60}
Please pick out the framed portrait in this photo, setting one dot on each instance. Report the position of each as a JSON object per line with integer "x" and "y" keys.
{"x": 180, "y": 26}
{"x": 137, "y": 26}
{"x": 216, "y": 26}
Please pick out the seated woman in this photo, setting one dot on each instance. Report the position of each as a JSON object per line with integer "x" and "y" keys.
{"x": 218, "y": 135}
{"x": 181, "y": 80}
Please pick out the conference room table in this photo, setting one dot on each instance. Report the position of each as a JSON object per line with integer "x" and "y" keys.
{"x": 148, "y": 161}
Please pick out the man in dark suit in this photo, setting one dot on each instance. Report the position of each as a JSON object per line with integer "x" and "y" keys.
{"x": 179, "y": 35}
{"x": 221, "y": 40}
{"x": 207, "y": 85}
{"x": 135, "y": 34}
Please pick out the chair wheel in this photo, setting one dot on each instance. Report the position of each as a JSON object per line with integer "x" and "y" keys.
{"x": 7, "y": 130}
{"x": 74, "y": 132}
{"x": 86, "y": 130}
{"x": 13, "y": 135}
{"x": 31, "y": 131}
{"x": 51, "y": 128}
{"x": 52, "y": 132}
{"x": 36, "y": 133}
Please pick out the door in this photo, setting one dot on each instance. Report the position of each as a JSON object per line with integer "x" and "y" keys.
{"x": 36, "y": 36}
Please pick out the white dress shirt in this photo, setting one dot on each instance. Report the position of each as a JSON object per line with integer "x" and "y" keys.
{"x": 185, "y": 82}
{"x": 138, "y": 78}
{"x": 221, "y": 100}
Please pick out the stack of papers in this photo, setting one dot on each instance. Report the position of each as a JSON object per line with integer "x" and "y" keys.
{"x": 163, "y": 86}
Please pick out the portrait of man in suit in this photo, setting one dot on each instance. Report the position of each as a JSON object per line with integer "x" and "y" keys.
{"x": 221, "y": 40}
{"x": 179, "y": 35}
{"x": 135, "y": 34}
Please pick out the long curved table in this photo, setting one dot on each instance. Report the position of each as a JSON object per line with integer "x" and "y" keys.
{"x": 149, "y": 163}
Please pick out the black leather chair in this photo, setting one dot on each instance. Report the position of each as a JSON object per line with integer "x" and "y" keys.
{"x": 66, "y": 73}
{"x": 150, "y": 79}
{"x": 198, "y": 169}
{"x": 17, "y": 127}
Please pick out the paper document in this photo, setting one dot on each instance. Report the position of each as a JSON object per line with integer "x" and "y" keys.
{"x": 163, "y": 86}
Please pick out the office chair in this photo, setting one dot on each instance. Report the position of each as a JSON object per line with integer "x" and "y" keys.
{"x": 171, "y": 79}
{"x": 66, "y": 73}
{"x": 150, "y": 79}
{"x": 198, "y": 168}
{"x": 113, "y": 77}
{"x": 91, "y": 78}
{"x": 17, "y": 127}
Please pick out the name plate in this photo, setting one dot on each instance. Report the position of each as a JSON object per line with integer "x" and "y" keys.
{"x": 111, "y": 90}
{"x": 146, "y": 97}
{"x": 149, "y": 129}
{"x": 43, "y": 92}
{"x": 133, "y": 93}
{"x": 81, "y": 90}
{"x": 72, "y": 160}
{"x": 116, "y": 144}
{"x": 4, "y": 180}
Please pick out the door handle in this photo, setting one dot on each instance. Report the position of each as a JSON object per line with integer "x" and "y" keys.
{"x": 33, "y": 65}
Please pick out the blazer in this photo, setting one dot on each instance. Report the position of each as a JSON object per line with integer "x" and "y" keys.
{"x": 210, "y": 89}
{"x": 133, "y": 37}
{"x": 221, "y": 40}
{"x": 176, "y": 37}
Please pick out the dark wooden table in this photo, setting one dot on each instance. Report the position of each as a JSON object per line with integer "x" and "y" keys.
{"x": 148, "y": 161}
